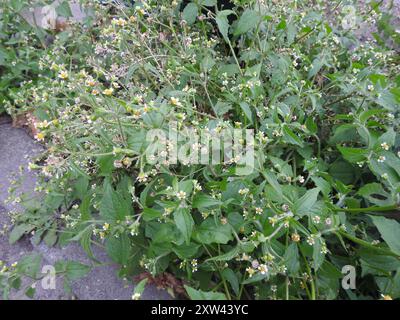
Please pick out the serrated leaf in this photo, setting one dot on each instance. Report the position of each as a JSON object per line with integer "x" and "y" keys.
{"x": 222, "y": 23}
{"x": 139, "y": 288}
{"x": 303, "y": 205}
{"x": 273, "y": 182}
{"x": 119, "y": 248}
{"x": 226, "y": 256}
{"x": 190, "y": 13}
{"x": 51, "y": 237}
{"x": 204, "y": 295}
{"x": 222, "y": 107}
{"x": 291, "y": 137}
{"x": 151, "y": 214}
{"x": 64, "y": 9}
{"x": 30, "y": 265}
{"x": 292, "y": 259}
{"x": 390, "y": 232}
{"x": 318, "y": 256}
{"x": 202, "y": 201}
{"x": 247, "y": 21}
{"x": 184, "y": 222}
{"x": 18, "y": 232}
{"x": 247, "y": 111}
{"x": 353, "y": 155}
{"x": 73, "y": 270}
{"x": 212, "y": 232}
{"x": 113, "y": 205}
{"x": 232, "y": 278}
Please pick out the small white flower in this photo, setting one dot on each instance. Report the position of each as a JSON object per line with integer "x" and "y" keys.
{"x": 181, "y": 195}
{"x": 311, "y": 240}
{"x": 194, "y": 265}
{"x": 381, "y": 159}
{"x": 263, "y": 269}
{"x": 316, "y": 219}
{"x": 142, "y": 177}
{"x": 136, "y": 296}
{"x": 250, "y": 271}
{"x": 63, "y": 75}
{"x": 385, "y": 146}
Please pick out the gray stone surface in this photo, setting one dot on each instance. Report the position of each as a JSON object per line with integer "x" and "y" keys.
{"x": 102, "y": 283}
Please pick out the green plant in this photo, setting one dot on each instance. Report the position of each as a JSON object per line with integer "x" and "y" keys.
{"x": 324, "y": 189}
{"x": 21, "y": 47}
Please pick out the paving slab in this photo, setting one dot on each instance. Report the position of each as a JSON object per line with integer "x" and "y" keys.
{"x": 102, "y": 283}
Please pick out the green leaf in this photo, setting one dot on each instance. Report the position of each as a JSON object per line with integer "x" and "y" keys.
{"x": 18, "y": 232}
{"x": 184, "y": 222}
{"x": 323, "y": 185}
{"x": 390, "y": 232}
{"x": 17, "y": 5}
{"x": 365, "y": 115}
{"x": 291, "y": 137}
{"x": 226, "y": 256}
{"x": 281, "y": 25}
{"x": 353, "y": 155}
{"x": 318, "y": 256}
{"x": 247, "y": 111}
{"x": 30, "y": 265}
{"x": 190, "y": 13}
{"x": 317, "y": 65}
{"x": 76, "y": 270}
{"x": 375, "y": 193}
{"x": 303, "y": 205}
{"x": 389, "y": 137}
{"x": 207, "y": 63}
{"x": 343, "y": 171}
{"x": 119, "y": 248}
{"x": 292, "y": 259}
{"x": 231, "y": 277}
{"x": 81, "y": 186}
{"x": 223, "y": 23}
{"x": 395, "y": 291}
{"x": 203, "y": 295}
{"x": 222, "y": 107}
{"x": 30, "y": 292}
{"x": 257, "y": 278}
{"x": 208, "y": 3}
{"x": 139, "y": 288}
{"x": 73, "y": 270}
{"x": 106, "y": 164}
{"x": 202, "y": 201}
{"x": 86, "y": 244}
{"x": 51, "y": 237}
{"x": 151, "y": 214}
{"x": 211, "y": 231}
{"x": 248, "y": 20}
{"x": 113, "y": 206}
{"x": 64, "y": 9}
{"x": 273, "y": 182}
{"x": 311, "y": 125}
{"x": 184, "y": 251}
